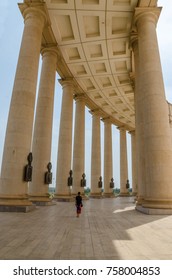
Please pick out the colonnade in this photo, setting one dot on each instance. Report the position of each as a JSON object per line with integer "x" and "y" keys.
{"x": 23, "y": 178}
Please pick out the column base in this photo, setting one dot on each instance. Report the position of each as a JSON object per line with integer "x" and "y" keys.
{"x": 139, "y": 200}
{"x": 124, "y": 194}
{"x": 63, "y": 197}
{"x": 134, "y": 193}
{"x": 108, "y": 195}
{"x": 16, "y": 204}
{"x": 155, "y": 206}
{"x": 85, "y": 197}
{"x": 44, "y": 203}
{"x": 95, "y": 195}
{"x": 10, "y": 208}
{"x": 41, "y": 200}
{"x": 151, "y": 211}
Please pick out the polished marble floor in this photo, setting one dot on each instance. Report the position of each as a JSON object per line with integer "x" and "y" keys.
{"x": 108, "y": 228}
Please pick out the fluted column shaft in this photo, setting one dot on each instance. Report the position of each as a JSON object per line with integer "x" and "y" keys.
{"x": 170, "y": 117}
{"x": 123, "y": 162}
{"x": 158, "y": 149}
{"x": 139, "y": 131}
{"x": 65, "y": 139}
{"x": 79, "y": 145}
{"x": 95, "y": 154}
{"x": 42, "y": 138}
{"x": 108, "y": 164}
{"x": 20, "y": 120}
{"x": 133, "y": 158}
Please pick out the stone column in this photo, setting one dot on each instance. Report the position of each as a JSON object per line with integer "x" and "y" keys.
{"x": 134, "y": 166}
{"x": 158, "y": 148}
{"x": 42, "y": 138}
{"x": 108, "y": 164}
{"x": 123, "y": 162}
{"x": 96, "y": 191}
{"x": 13, "y": 189}
{"x": 65, "y": 142}
{"x": 170, "y": 117}
{"x": 139, "y": 130}
{"x": 79, "y": 145}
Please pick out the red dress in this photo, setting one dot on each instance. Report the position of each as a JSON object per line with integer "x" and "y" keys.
{"x": 78, "y": 204}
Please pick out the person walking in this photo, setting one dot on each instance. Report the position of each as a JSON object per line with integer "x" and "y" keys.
{"x": 78, "y": 203}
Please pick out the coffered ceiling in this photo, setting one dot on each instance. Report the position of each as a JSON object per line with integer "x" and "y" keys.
{"x": 93, "y": 41}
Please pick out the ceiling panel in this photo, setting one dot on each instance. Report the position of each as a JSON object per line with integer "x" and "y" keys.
{"x": 93, "y": 39}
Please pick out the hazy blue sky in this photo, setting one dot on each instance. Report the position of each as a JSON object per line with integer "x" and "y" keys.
{"x": 11, "y": 28}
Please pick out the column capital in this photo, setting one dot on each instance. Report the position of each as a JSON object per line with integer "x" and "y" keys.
{"x": 36, "y": 11}
{"x": 122, "y": 128}
{"x": 95, "y": 112}
{"x": 133, "y": 40}
{"x": 132, "y": 132}
{"x": 80, "y": 97}
{"x": 147, "y": 14}
{"x": 107, "y": 120}
{"x": 49, "y": 50}
{"x": 66, "y": 82}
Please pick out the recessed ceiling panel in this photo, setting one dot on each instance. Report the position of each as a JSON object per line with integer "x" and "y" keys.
{"x": 93, "y": 39}
{"x": 120, "y": 5}
{"x": 72, "y": 53}
{"x": 60, "y": 4}
{"x": 100, "y": 67}
{"x": 97, "y": 5}
{"x": 91, "y": 25}
{"x": 95, "y": 50}
{"x": 65, "y": 26}
{"x": 118, "y": 24}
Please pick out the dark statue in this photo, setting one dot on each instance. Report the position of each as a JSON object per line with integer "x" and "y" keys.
{"x": 100, "y": 183}
{"x": 127, "y": 184}
{"x": 112, "y": 183}
{"x": 28, "y": 169}
{"x": 83, "y": 180}
{"x": 48, "y": 174}
{"x": 70, "y": 179}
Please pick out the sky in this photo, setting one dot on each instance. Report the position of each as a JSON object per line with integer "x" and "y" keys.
{"x": 11, "y": 28}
